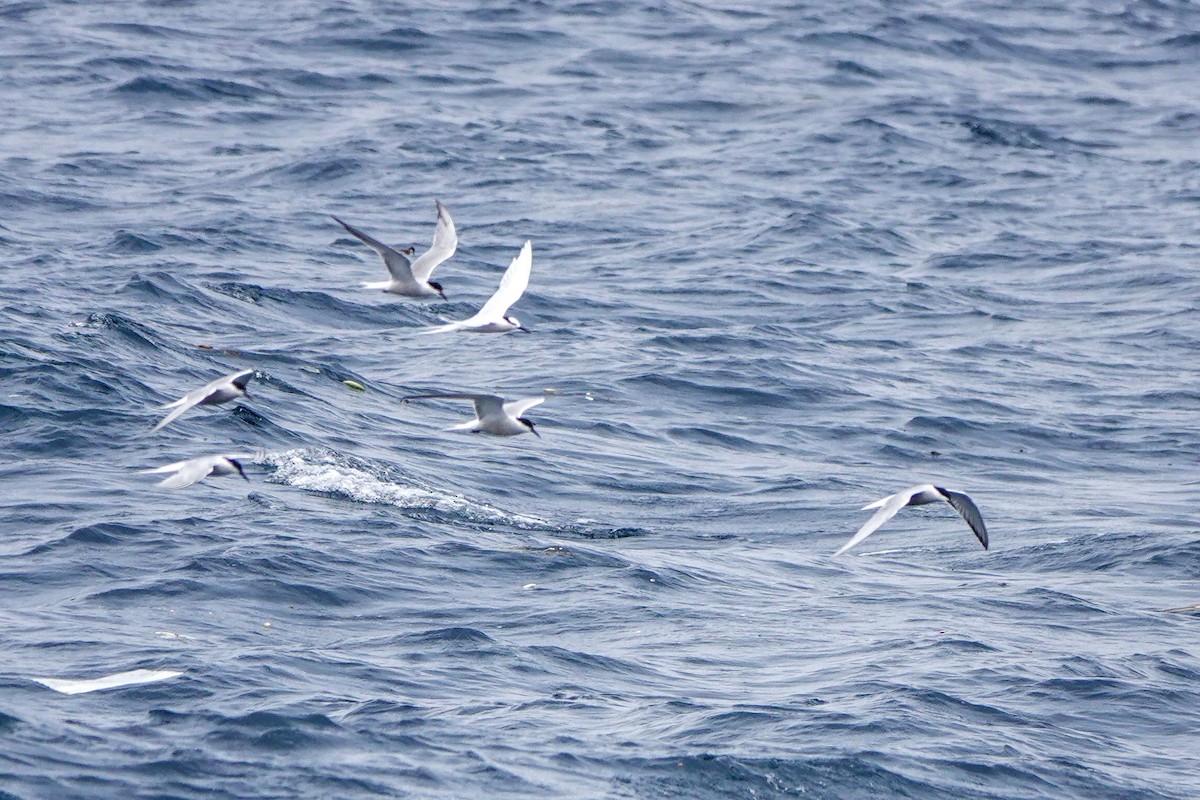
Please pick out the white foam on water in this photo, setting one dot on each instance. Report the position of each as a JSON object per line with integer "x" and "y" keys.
{"x": 328, "y": 472}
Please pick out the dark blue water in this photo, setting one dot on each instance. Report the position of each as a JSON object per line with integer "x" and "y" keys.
{"x": 786, "y": 261}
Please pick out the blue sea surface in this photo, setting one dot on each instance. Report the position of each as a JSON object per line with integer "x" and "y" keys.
{"x": 788, "y": 258}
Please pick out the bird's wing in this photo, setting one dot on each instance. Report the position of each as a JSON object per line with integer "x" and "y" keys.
{"x": 178, "y": 402}
{"x": 239, "y": 379}
{"x": 967, "y": 509}
{"x": 395, "y": 261}
{"x": 488, "y": 405}
{"x": 445, "y": 242}
{"x": 450, "y": 326}
{"x": 512, "y": 286}
{"x": 518, "y": 407}
{"x": 887, "y": 509}
{"x": 191, "y": 399}
{"x": 137, "y": 676}
{"x": 878, "y": 502}
{"x": 190, "y": 472}
{"x": 484, "y": 403}
{"x": 167, "y": 468}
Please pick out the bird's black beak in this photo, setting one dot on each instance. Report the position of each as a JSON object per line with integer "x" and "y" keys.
{"x": 443, "y": 294}
{"x": 523, "y": 328}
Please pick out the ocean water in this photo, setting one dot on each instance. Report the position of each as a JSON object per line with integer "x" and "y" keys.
{"x": 788, "y": 258}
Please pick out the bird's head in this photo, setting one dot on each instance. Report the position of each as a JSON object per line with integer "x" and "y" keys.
{"x": 438, "y": 288}
{"x": 529, "y": 424}
{"x": 516, "y": 323}
{"x": 238, "y": 466}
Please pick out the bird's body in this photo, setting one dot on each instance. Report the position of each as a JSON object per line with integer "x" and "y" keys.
{"x": 920, "y": 495}
{"x": 222, "y": 390}
{"x": 493, "y": 317}
{"x": 492, "y": 414}
{"x": 410, "y": 278}
{"x": 197, "y": 469}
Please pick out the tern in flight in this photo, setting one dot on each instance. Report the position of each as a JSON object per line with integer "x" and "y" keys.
{"x": 197, "y": 469}
{"x": 410, "y": 278}
{"x": 492, "y": 414}
{"x": 222, "y": 390}
{"x": 919, "y": 496}
{"x": 493, "y": 317}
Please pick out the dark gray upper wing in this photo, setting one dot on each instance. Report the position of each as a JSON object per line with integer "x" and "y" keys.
{"x": 970, "y": 512}
{"x": 485, "y": 404}
{"x": 396, "y": 262}
{"x": 240, "y": 379}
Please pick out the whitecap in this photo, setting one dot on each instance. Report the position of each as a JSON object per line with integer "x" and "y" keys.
{"x": 325, "y": 471}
